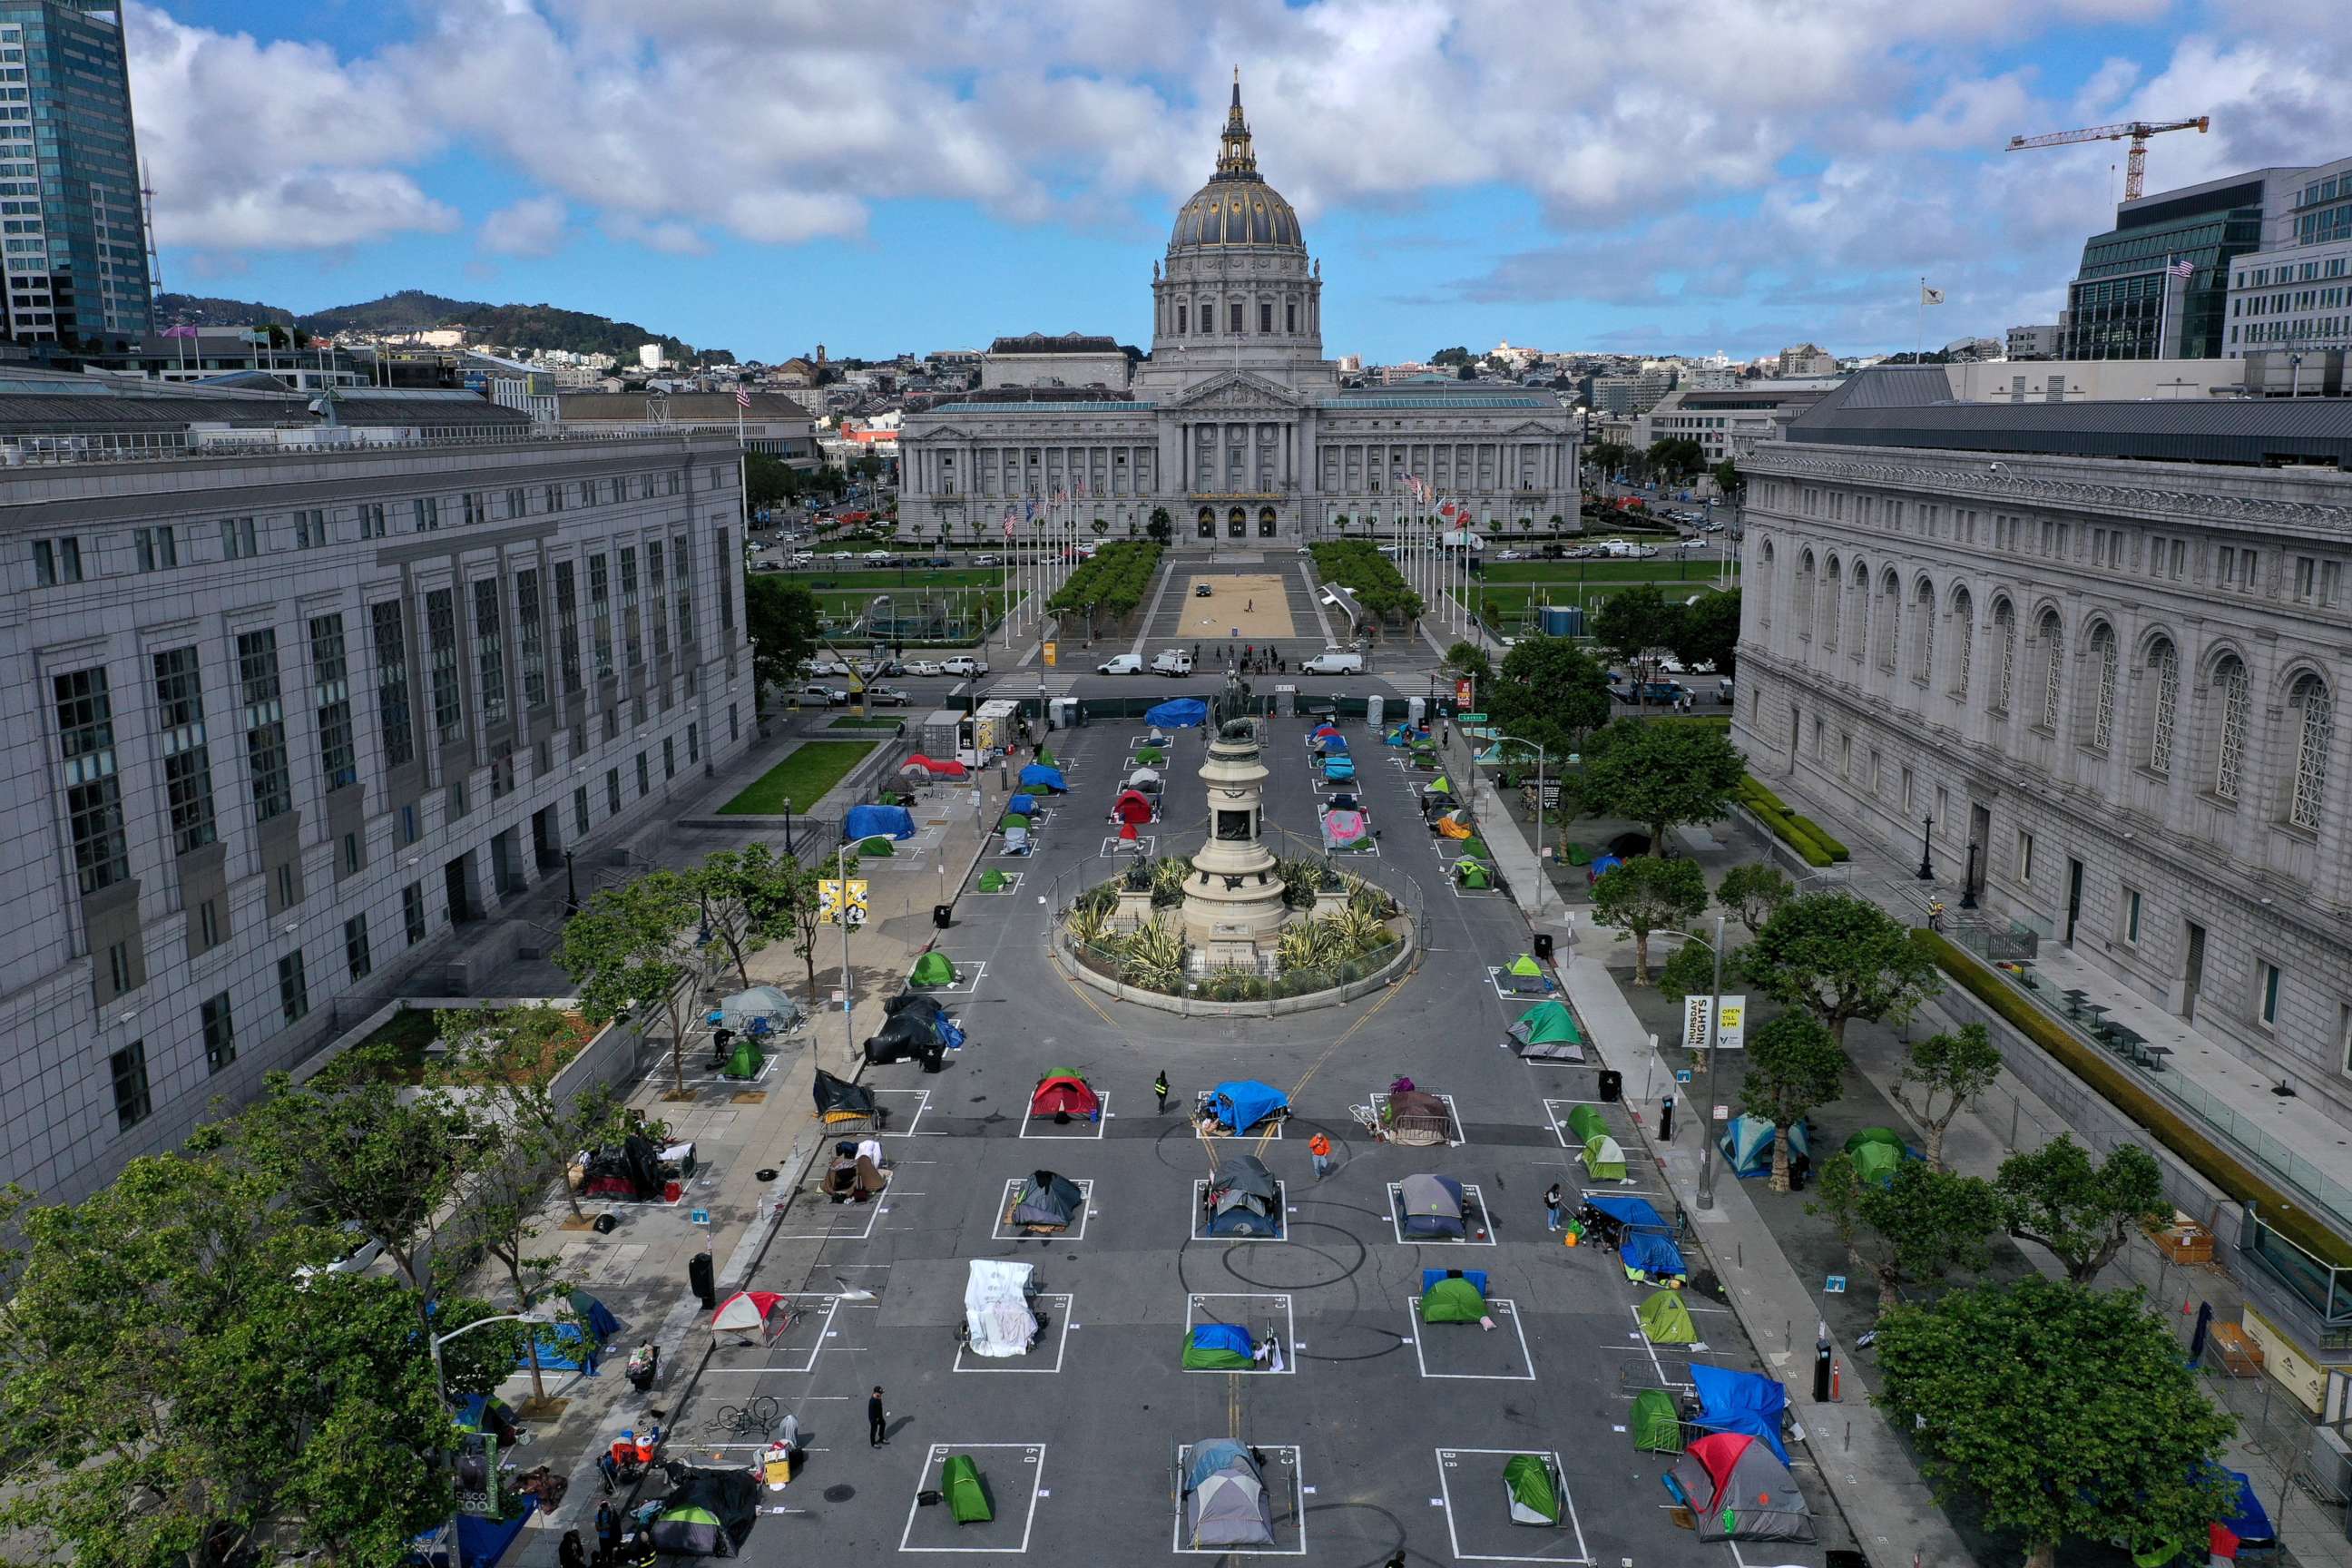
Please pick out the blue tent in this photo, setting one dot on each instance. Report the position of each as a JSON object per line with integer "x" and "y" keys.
{"x": 1023, "y": 804}
{"x": 878, "y": 822}
{"x": 1241, "y": 1103}
{"x": 1635, "y": 1212}
{"x": 951, "y": 1037}
{"x": 1331, "y": 743}
{"x": 1740, "y": 1402}
{"x": 1746, "y": 1145}
{"x": 1221, "y": 1337}
{"x": 1476, "y": 1276}
{"x": 1176, "y": 713}
{"x": 1652, "y": 1255}
{"x": 1039, "y": 773}
{"x": 1601, "y": 863}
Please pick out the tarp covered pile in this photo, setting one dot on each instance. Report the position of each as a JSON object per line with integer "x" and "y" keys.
{"x": 1239, "y": 1104}
{"x": 1217, "y": 1347}
{"x": 1176, "y": 713}
{"x": 878, "y": 822}
{"x": 707, "y": 1513}
{"x": 996, "y": 1311}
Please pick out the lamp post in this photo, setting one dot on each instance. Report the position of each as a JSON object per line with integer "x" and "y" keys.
{"x": 1969, "y": 882}
{"x": 441, "y": 1384}
{"x": 848, "y": 1001}
{"x": 570, "y": 887}
{"x": 1714, "y": 1020}
{"x": 1926, "y": 872}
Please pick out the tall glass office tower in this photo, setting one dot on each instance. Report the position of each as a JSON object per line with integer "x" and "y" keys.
{"x": 74, "y": 230}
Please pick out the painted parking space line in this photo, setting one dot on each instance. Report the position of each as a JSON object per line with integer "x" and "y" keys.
{"x": 1498, "y": 1307}
{"x": 969, "y": 974}
{"x": 1448, "y": 1460}
{"x": 1143, "y": 846}
{"x": 1528, "y": 998}
{"x": 966, "y": 1362}
{"x": 1012, "y": 885}
{"x": 1473, "y": 1218}
{"x": 922, "y": 1104}
{"x": 1006, "y": 1230}
{"x": 1044, "y": 1127}
{"x": 1029, "y": 1464}
{"x": 1233, "y": 1308}
{"x": 809, "y": 1304}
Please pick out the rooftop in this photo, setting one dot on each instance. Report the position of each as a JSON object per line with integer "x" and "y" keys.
{"x": 1066, "y": 344}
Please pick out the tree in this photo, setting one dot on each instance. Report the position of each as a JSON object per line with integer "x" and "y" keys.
{"x": 2083, "y": 1214}
{"x": 1727, "y": 477}
{"x": 1549, "y": 692}
{"x": 1690, "y": 972}
{"x": 1708, "y": 633}
{"x": 624, "y": 951}
{"x": 1162, "y": 529}
{"x": 1468, "y": 661}
{"x": 1458, "y": 354}
{"x": 807, "y": 924}
{"x": 781, "y": 620}
{"x": 746, "y": 898}
{"x": 2067, "y": 1412}
{"x": 1837, "y": 1197}
{"x": 1100, "y": 526}
{"x": 1467, "y": 373}
{"x": 1752, "y": 891}
{"x": 1633, "y": 627}
{"x": 1793, "y": 1066}
{"x": 1646, "y": 894}
{"x": 1942, "y": 1075}
{"x": 1608, "y": 457}
{"x": 1662, "y": 774}
{"x": 1675, "y": 456}
{"x": 1842, "y": 958}
{"x": 1923, "y": 1224}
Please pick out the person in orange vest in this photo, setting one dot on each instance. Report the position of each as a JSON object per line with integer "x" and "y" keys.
{"x": 1320, "y": 1148}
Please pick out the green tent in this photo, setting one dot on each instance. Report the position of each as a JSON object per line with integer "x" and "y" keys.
{"x": 1149, "y": 757}
{"x": 1032, "y": 789}
{"x": 1441, "y": 784}
{"x": 1657, "y": 1428}
{"x": 1474, "y": 845}
{"x": 1665, "y": 1321}
{"x": 744, "y": 1060}
{"x": 878, "y": 847}
{"x": 1525, "y": 966}
{"x": 1873, "y": 1161}
{"x": 1603, "y": 1160}
{"x": 1013, "y": 819}
{"x": 1452, "y": 1301}
{"x": 1535, "y": 1495}
{"x": 1200, "y": 1357}
{"x": 933, "y": 969}
{"x": 1044, "y": 757}
{"x": 992, "y": 880}
{"x": 1473, "y": 873}
{"x": 967, "y": 1496}
{"x": 1585, "y": 1122}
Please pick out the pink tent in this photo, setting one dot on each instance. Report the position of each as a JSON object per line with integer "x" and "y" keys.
{"x": 760, "y": 1312}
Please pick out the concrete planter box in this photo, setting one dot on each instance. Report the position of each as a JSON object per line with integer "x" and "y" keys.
{"x": 609, "y": 1058}
{"x": 1272, "y": 1007}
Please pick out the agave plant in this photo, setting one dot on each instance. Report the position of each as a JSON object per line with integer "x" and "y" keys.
{"x": 1307, "y": 944}
{"x": 1358, "y": 929}
{"x": 1300, "y": 878}
{"x": 1155, "y": 957}
{"x": 1089, "y": 922}
{"x": 1168, "y": 874}
{"x": 1101, "y": 899}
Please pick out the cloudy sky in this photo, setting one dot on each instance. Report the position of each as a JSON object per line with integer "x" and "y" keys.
{"x": 1667, "y": 176}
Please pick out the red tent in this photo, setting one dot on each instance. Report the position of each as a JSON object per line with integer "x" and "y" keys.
{"x": 1063, "y": 1092}
{"x": 760, "y": 1312}
{"x": 1132, "y": 805}
{"x": 938, "y": 767}
{"x": 1735, "y": 1488}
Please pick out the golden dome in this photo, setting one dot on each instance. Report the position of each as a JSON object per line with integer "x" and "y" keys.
{"x": 1237, "y": 207}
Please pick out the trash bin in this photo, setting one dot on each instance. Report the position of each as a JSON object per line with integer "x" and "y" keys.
{"x": 702, "y": 1278}
{"x": 1543, "y": 947}
{"x": 943, "y": 915}
{"x": 1613, "y": 1086}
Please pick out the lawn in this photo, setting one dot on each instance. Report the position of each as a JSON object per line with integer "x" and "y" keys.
{"x": 799, "y": 779}
{"x": 1512, "y": 598}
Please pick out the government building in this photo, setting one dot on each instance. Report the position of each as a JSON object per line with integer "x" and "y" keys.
{"x": 1235, "y": 425}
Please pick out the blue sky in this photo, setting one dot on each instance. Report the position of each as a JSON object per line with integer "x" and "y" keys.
{"x": 1659, "y": 175}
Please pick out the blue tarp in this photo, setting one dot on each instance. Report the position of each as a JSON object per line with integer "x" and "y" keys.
{"x": 482, "y": 1542}
{"x": 951, "y": 1037}
{"x": 1740, "y": 1402}
{"x": 1432, "y": 1276}
{"x": 2249, "y": 1521}
{"x": 1651, "y": 1255}
{"x": 1221, "y": 1337}
{"x": 1023, "y": 804}
{"x": 1039, "y": 773}
{"x": 561, "y": 1348}
{"x": 1601, "y": 863}
{"x": 1627, "y": 1211}
{"x": 1177, "y": 712}
{"x": 1243, "y": 1103}
{"x": 878, "y": 822}
{"x": 1337, "y": 768}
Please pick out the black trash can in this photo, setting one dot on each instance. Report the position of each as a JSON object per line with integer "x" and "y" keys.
{"x": 1543, "y": 945}
{"x": 943, "y": 915}
{"x": 702, "y": 1278}
{"x": 1613, "y": 1086}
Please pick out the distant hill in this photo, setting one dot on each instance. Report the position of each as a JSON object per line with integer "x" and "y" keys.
{"x": 413, "y": 310}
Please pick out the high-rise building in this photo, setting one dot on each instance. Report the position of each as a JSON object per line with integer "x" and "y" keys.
{"x": 2157, "y": 285}
{"x": 2293, "y": 295}
{"x": 77, "y": 230}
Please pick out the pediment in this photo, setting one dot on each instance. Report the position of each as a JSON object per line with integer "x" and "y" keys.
{"x": 1237, "y": 389}
{"x": 939, "y": 433}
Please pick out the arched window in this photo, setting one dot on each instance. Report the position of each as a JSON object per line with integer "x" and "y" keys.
{"x": 1923, "y": 634}
{"x": 1963, "y": 626}
{"x": 1890, "y": 605}
{"x": 1267, "y": 526}
{"x": 1833, "y": 605}
{"x": 2318, "y": 735}
{"x": 2165, "y": 661}
{"x": 2230, "y": 744}
{"x": 1208, "y": 524}
{"x": 2102, "y": 701}
{"x": 2052, "y": 664}
{"x": 1860, "y": 590}
{"x": 1764, "y": 585}
{"x": 2004, "y": 633}
{"x": 1801, "y": 601}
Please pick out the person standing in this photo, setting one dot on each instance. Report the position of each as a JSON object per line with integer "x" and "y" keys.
{"x": 877, "y": 1420}
{"x": 1551, "y": 1207}
{"x": 572, "y": 1553}
{"x": 1319, "y": 1147}
{"x": 608, "y": 1533}
{"x": 1159, "y": 1088}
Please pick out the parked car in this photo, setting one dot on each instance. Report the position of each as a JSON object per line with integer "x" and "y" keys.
{"x": 1512, "y": 555}
{"x": 1201, "y": 590}
{"x": 888, "y": 696}
{"x": 1121, "y": 663}
{"x": 1333, "y": 661}
{"x": 983, "y": 559}
{"x": 965, "y": 665}
{"x": 804, "y": 557}
{"x": 826, "y": 663}
{"x": 817, "y": 694}
{"x": 769, "y": 566}
{"x": 360, "y": 1249}
{"x": 924, "y": 667}
{"x": 1172, "y": 661}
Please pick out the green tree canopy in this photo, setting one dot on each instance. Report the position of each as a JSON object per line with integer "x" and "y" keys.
{"x": 1942, "y": 1075}
{"x": 1635, "y": 627}
{"x": 1550, "y": 692}
{"x": 1708, "y": 633}
{"x": 781, "y": 620}
{"x": 1842, "y": 958}
{"x": 1727, "y": 477}
{"x": 746, "y": 897}
{"x": 1161, "y": 530}
{"x": 1793, "y": 1066}
{"x": 2083, "y": 1214}
{"x": 1752, "y": 891}
{"x": 1467, "y": 660}
{"x": 1662, "y": 774}
{"x": 1922, "y": 1225}
{"x": 1608, "y": 457}
{"x": 1675, "y": 456}
{"x": 625, "y": 952}
{"x": 1690, "y": 970}
{"x": 2069, "y": 1414}
{"x": 1647, "y": 894}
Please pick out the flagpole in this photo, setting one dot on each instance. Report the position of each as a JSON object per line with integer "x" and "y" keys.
{"x": 1919, "y": 321}
{"x": 2163, "y": 303}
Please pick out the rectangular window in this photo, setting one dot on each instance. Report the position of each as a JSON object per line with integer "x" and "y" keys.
{"x": 441, "y": 659}
{"x": 265, "y": 724}
{"x": 2266, "y": 999}
{"x": 2025, "y": 857}
{"x": 612, "y": 792}
{"x": 531, "y": 650}
{"x": 372, "y": 525}
{"x": 293, "y": 990}
{"x": 399, "y": 725}
{"x": 220, "y": 1032}
{"x": 427, "y": 512}
{"x": 2131, "y": 915}
{"x": 56, "y": 561}
{"x": 355, "y": 947}
{"x": 331, "y": 688}
{"x": 726, "y": 584}
{"x": 579, "y": 810}
{"x": 644, "y": 775}
{"x": 2306, "y": 577}
{"x": 660, "y": 586}
{"x": 600, "y": 614}
{"x": 310, "y": 528}
{"x": 670, "y": 757}
{"x": 236, "y": 538}
{"x": 1266, "y": 316}
{"x": 412, "y": 912}
{"x": 567, "y": 627}
{"x": 208, "y": 926}
{"x": 187, "y": 752}
{"x": 128, "y": 1067}
{"x": 682, "y": 579}
{"x": 93, "y": 793}
{"x": 490, "y": 652}
{"x": 693, "y": 744}
{"x": 632, "y": 645}
{"x": 158, "y": 548}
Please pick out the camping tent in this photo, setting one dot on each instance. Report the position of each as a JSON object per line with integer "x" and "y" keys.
{"x": 1741, "y": 1402}
{"x": 1144, "y": 780}
{"x": 1016, "y": 839}
{"x": 839, "y": 1100}
{"x": 1418, "y": 1119}
{"x": 759, "y": 1313}
{"x": 1875, "y": 1152}
{"x": 1325, "y": 731}
{"x": 1600, "y": 864}
{"x": 1176, "y": 713}
{"x": 1548, "y": 1032}
{"x": 1062, "y": 1092}
{"x": 967, "y": 1496}
{"x": 1453, "y": 1299}
{"x": 1736, "y": 1488}
{"x": 1525, "y": 976}
{"x": 1131, "y": 806}
{"x": 1225, "y": 1502}
{"x": 878, "y": 822}
{"x": 1533, "y": 1490}
{"x": 1023, "y": 805}
{"x": 1665, "y": 1321}
{"x": 1431, "y": 1206}
{"x": 1050, "y": 778}
{"x": 934, "y": 968}
{"x": 1657, "y": 1426}
{"x": 1047, "y": 1202}
{"x": 1441, "y": 784}
{"x": 1346, "y": 830}
{"x": 761, "y": 1009}
{"x": 997, "y": 1316}
{"x": 1628, "y": 1212}
{"x": 1586, "y": 1122}
{"x": 1472, "y": 873}
{"x": 932, "y": 767}
{"x": 1454, "y": 824}
{"x": 707, "y": 1513}
{"x": 992, "y": 880}
{"x": 1603, "y": 1161}
{"x": 1330, "y": 741}
{"x": 1240, "y": 1104}
{"x": 1652, "y": 1261}
{"x": 1217, "y": 1347}
{"x": 1746, "y": 1145}
{"x": 1243, "y": 1199}
{"x": 1338, "y": 769}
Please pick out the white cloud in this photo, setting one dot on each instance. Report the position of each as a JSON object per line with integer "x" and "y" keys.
{"x": 532, "y": 226}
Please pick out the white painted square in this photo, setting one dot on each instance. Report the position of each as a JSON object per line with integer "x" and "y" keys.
{"x": 1086, "y": 1131}
{"x": 1283, "y": 1462}
{"x": 1505, "y": 1313}
{"x": 1114, "y": 847}
{"x": 1246, "y": 1310}
{"x": 1474, "y": 1220}
{"x": 1490, "y": 1488}
{"x": 1023, "y": 1463}
{"x": 847, "y": 1221}
{"x": 968, "y": 973}
{"x": 902, "y": 1124}
{"x": 1058, "y": 1329}
{"x": 1200, "y": 1220}
{"x": 1452, "y": 1114}
{"x": 1007, "y": 1231}
{"x": 1523, "y": 998}
{"x": 795, "y": 1350}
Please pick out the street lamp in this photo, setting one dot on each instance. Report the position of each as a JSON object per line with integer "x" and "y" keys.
{"x": 570, "y": 887}
{"x": 1714, "y": 1023}
{"x": 1926, "y": 872}
{"x": 1969, "y": 882}
{"x": 441, "y": 1384}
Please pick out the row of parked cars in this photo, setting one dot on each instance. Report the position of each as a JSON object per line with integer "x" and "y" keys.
{"x": 1178, "y": 661}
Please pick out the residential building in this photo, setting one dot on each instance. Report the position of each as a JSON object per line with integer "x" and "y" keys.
{"x": 292, "y": 708}
{"x": 1806, "y": 359}
{"x": 1235, "y": 424}
{"x": 1729, "y": 424}
{"x": 77, "y": 247}
{"x": 2294, "y": 294}
{"x": 772, "y": 423}
{"x": 2128, "y": 301}
{"x": 2033, "y": 342}
{"x": 526, "y": 389}
{"x": 1073, "y": 359}
{"x": 1973, "y": 351}
{"x": 649, "y": 357}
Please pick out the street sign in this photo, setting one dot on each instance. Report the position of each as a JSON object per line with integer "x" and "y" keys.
{"x": 1729, "y": 1034}
{"x": 1835, "y": 1285}
{"x": 1050, "y": 650}
{"x": 1723, "y": 1113}
{"x": 1468, "y": 718}
{"x": 1682, "y": 1075}
{"x": 698, "y": 1216}
{"x": 830, "y": 901}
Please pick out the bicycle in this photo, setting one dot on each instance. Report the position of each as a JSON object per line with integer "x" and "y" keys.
{"x": 755, "y": 1417}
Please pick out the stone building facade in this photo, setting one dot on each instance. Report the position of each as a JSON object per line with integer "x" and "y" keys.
{"x": 1235, "y": 425}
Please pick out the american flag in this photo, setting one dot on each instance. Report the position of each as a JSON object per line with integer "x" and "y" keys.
{"x": 742, "y": 397}
{"x": 2182, "y": 269}
{"x": 1008, "y": 523}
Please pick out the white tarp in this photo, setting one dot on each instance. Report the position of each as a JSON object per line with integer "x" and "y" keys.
{"x": 996, "y": 1306}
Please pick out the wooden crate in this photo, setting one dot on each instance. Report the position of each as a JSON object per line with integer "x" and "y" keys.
{"x": 2237, "y": 1353}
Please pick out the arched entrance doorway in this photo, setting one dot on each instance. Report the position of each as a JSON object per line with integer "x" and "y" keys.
{"x": 1265, "y": 522}
{"x": 1237, "y": 524}
{"x": 1208, "y": 524}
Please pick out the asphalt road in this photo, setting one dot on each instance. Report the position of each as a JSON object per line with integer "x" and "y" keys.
{"x": 1382, "y": 1434}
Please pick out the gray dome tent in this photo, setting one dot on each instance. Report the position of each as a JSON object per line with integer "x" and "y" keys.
{"x": 1225, "y": 1502}
{"x": 1047, "y": 1201}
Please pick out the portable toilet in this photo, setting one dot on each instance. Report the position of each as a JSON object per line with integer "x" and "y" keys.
{"x": 1416, "y": 708}
{"x": 1372, "y": 712}
{"x": 1286, "y": 701}
{"x": 1563, "y": 621}
{"x": 1062, "y": 713}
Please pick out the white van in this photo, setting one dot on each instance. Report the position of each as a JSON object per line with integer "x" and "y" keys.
{"x": 1334, "y": 661}
{"x": 1172, "y": 661}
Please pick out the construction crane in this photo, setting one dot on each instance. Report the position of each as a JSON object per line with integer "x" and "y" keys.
{"x": 2138, "y": 131}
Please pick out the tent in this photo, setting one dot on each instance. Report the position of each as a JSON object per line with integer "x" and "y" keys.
{"x": 1441, "y": 784}
{"x": 759, "y": 1313}
{"x": 1453, "y": 825}
{"x": 1603, "y": 1161}
{"x": 1737, "y": 1490}
{"x": 1665, "y": 1321}
{"x": 1243, "y": 1199}
{"x": 1151, "y": 756}
{"x": 1015, "y": 820}
{"x": 1453, "y": 1300}
{"x": 1418, "y": 1119}
{"x": 745, "y": 1061}
{"x": 1628, "y": 1212}
{"x": 1652, "y": 1261}
{"x": 2247, "y": 1528}
{"x": 1047, "y": 1202}
{"x": 1472, "y": 873}
{"x": 967, "y": 1496}
{"x": 1586, "y": 1122}
{"x": 1024, "y": 806}
{"x": 1523, "y": 975}
{"x": 839, "y": 1100}
{"x": 1016, "y": 839}
{"x": 1476, "y": 848}
{"x": 1330, "y": 742}
{"x": 572, "y": 1344}
{"x": 1132, "y": 806}
{"x": 763, "y": 1009}
{"x": 1346, "y": 830}
{"x": 1050, "y": 777}
{"x": 631, "y": 1171}
{"x": 1548, "y": 1032}
{"x": 707, "y": 1513}
{"x": 1325, "y": 731}
{"x": 1746, "y": 1145}
{"x": 1338, "y": 769}
{"x": 1875, "y": 1152}
{"x": 934, "y": 968}
{"x": 932, "y": 767}
{"x": 876, "y": 847}
{"x": 1240, "y": 1104}
{"x": 1657, "y": 1426}
{"x": 992, "y": 880}
{"x": 1431, "y": 1206}
{"x": 997, "y": 1316}
{"x": 878, "y": 822}
{"x": 1741, "y": 1402}
{"x": 1532, "y": 1488}
{"x": 1217, "y": 1347}
{"x": 1598, "y": 864}
{"x": 1144, "y": 780}
{"x": 1062, "y": 1092}
{"x": 1176, "y": 713}
{"x": 1225, "y": 1500}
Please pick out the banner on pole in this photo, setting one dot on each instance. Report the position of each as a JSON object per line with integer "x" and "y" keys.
{"x": 1730, "y": 1031}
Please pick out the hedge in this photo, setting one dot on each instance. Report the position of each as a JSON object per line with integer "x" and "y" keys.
{"x": 1113, "y": 583}
{"x": 2117, "y": 1086}
{"x": 1358, "y": 566}
{"x": 1816, "y": 849}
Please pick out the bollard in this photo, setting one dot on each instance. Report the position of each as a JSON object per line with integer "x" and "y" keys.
{"x": 1837, "y": 1372}
{"x": 1820, "y": 1372}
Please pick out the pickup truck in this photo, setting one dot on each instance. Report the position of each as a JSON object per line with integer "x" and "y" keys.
{"x": 964, "y": 665}
{"x": 815, "y": 695}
